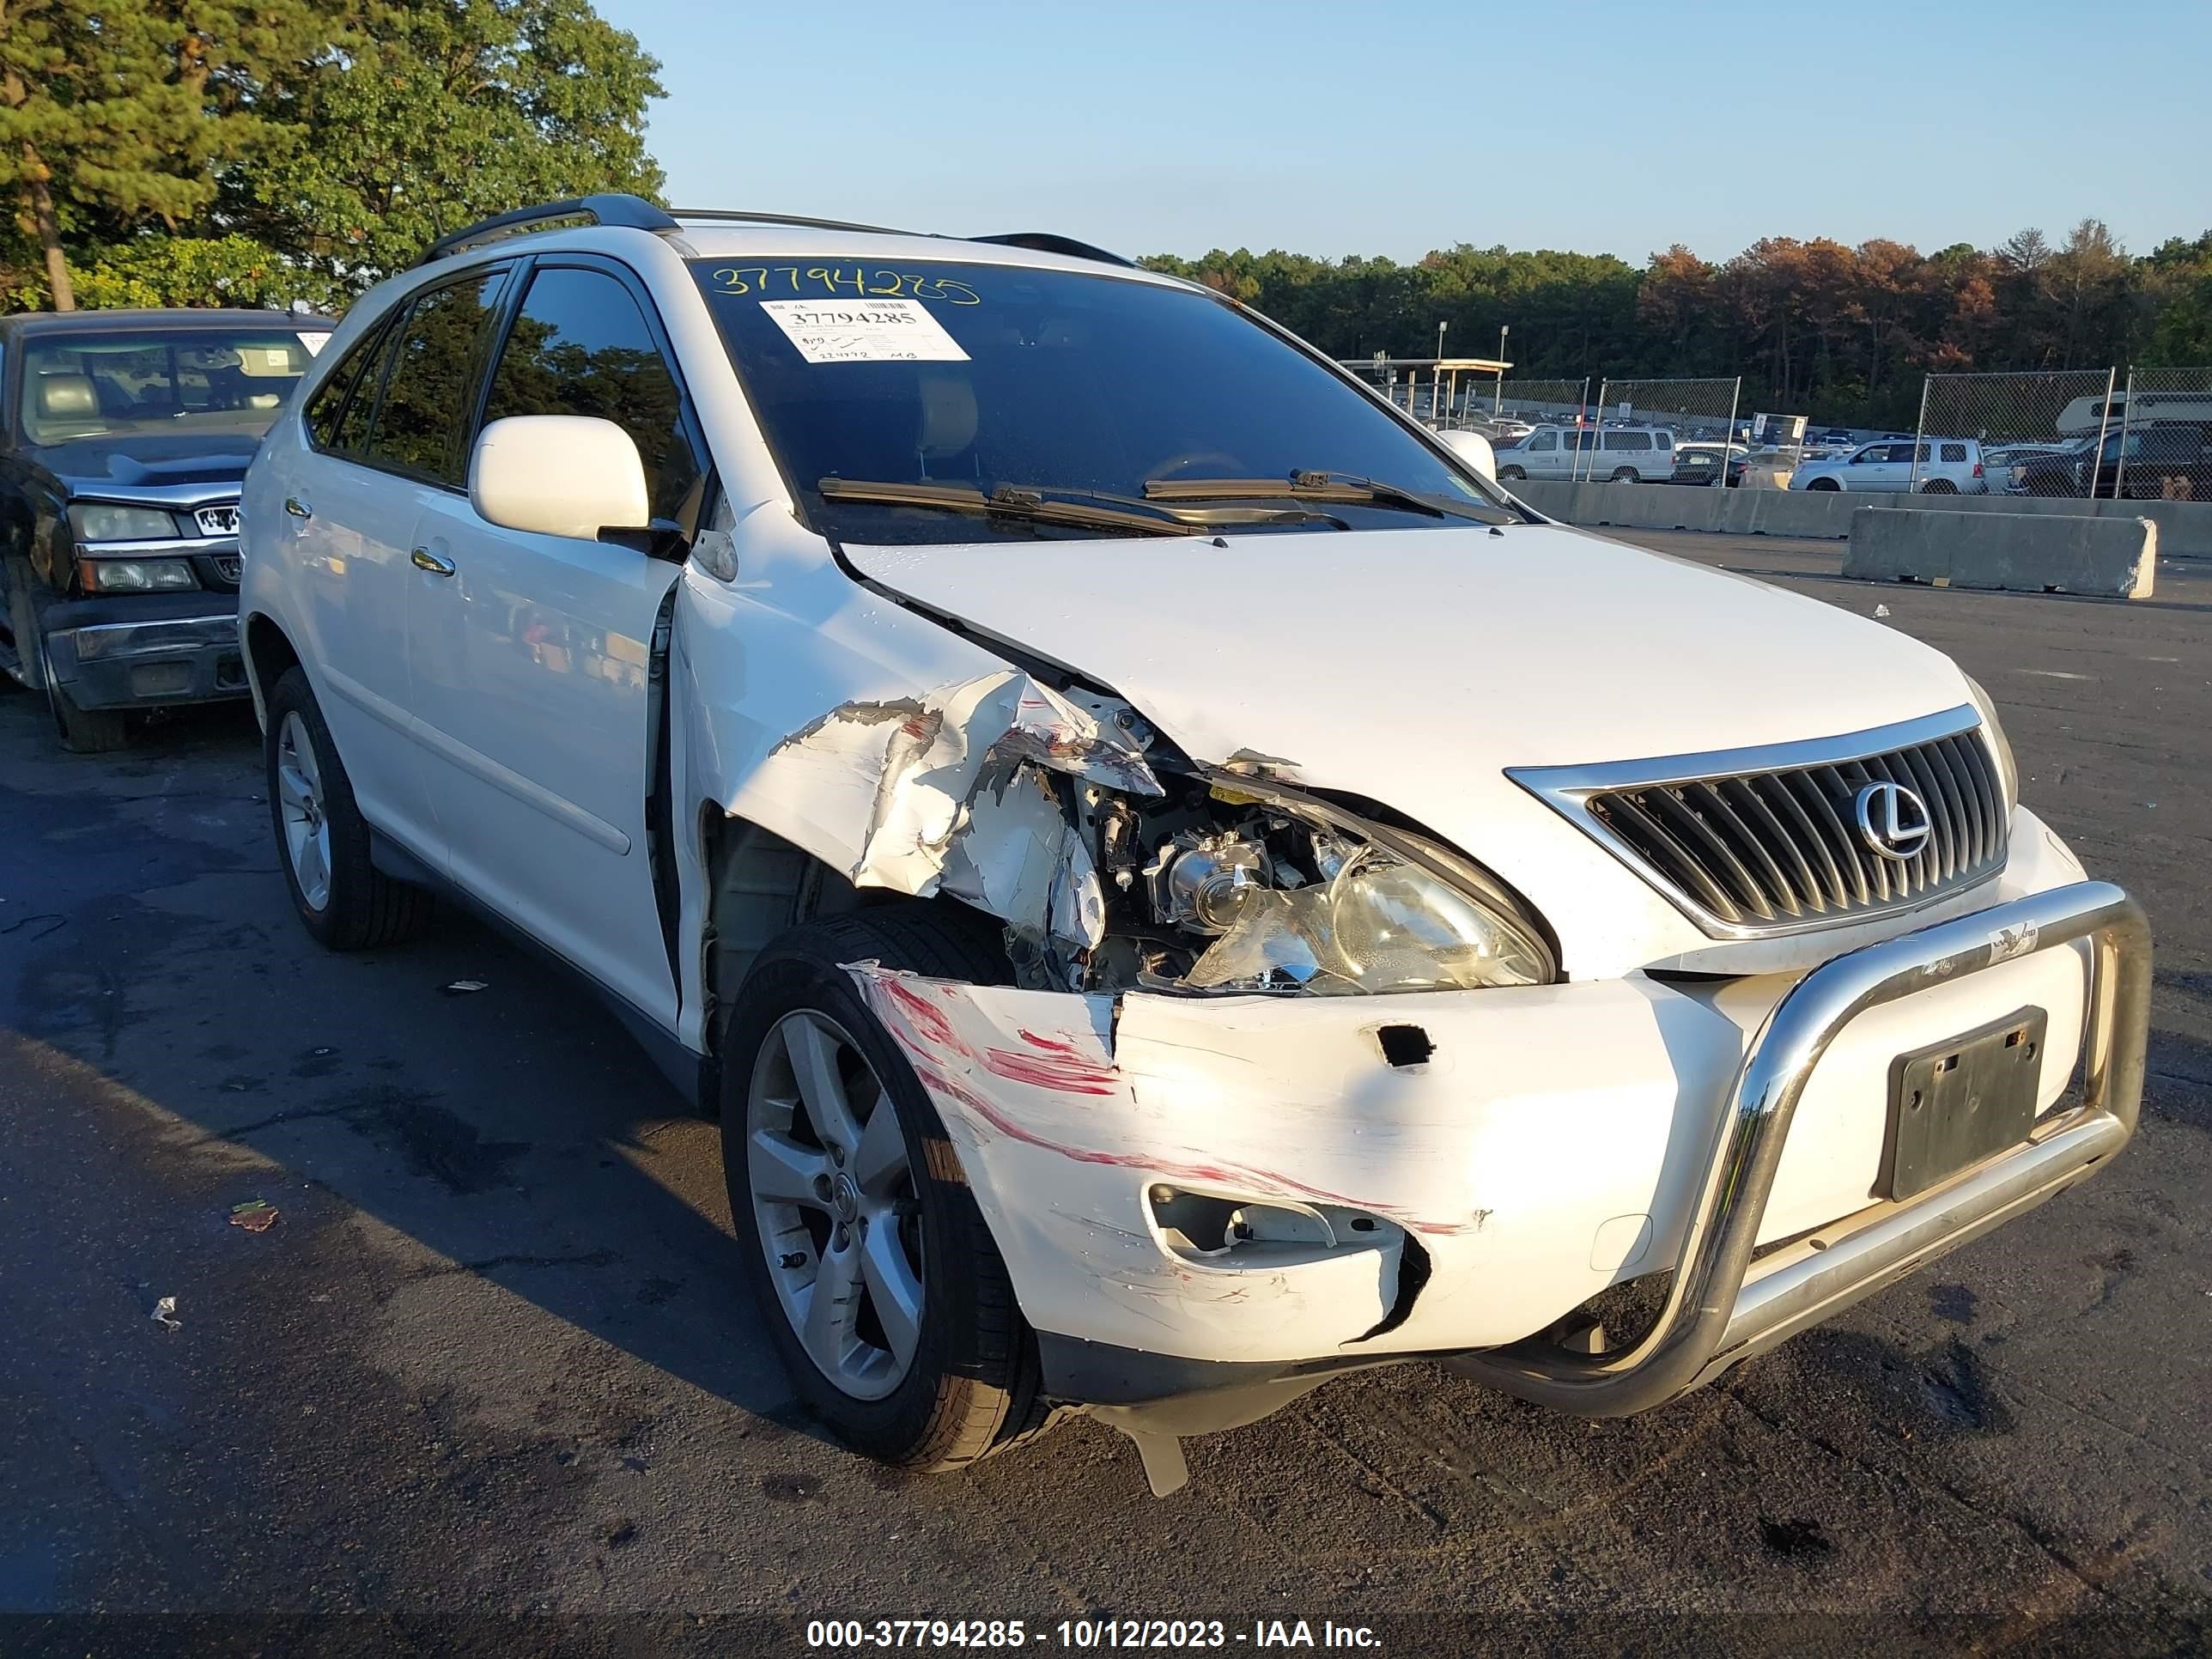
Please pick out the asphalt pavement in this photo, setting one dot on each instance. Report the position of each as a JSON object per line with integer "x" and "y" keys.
{"x": 488, "y": 1384}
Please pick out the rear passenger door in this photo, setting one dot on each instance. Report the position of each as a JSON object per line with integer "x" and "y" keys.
{"x": 533, "y": 654}
{"x": 383, "y": 434}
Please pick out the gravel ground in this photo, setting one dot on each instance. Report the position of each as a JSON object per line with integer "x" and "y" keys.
{"x": 485, "y": 1385}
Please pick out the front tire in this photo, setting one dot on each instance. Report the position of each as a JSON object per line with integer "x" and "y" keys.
{"x": 82, "y": 731}
{"x": 871, "y": 1261}
{"x": 322, "y": 839}
{"x": 1824, "y": 484}
{"x": 1512, "y": 474}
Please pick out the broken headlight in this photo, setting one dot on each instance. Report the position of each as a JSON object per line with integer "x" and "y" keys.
{"x": 1298, "y": 896}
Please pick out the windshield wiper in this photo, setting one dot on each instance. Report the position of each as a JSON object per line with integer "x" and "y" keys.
{"x": 1317, "y": 486}
{"x": 1047, "y": 504}
{"x": 1005, "y": 501}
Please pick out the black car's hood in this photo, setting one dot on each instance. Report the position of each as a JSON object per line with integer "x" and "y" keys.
{"x": 137, "y": 461}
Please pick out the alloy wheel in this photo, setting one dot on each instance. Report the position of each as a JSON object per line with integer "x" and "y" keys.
{"x": 833, "y": 1204}
{"x": 300, "y": 799}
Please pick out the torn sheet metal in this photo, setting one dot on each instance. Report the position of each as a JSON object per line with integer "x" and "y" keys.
{"x": 918, "y": 763}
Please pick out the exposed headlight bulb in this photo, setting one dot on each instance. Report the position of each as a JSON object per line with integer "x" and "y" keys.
{"x": 1204, "y": 881}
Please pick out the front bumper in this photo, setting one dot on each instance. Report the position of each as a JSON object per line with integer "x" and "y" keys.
{"x": 1444, "y": 1173}
{"x": 143, "y": 651}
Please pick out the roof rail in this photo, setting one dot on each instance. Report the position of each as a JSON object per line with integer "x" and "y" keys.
{"x": 611, "y": 209}
{"x": 1045, "y": 241}
{"x": 743, "y": 216}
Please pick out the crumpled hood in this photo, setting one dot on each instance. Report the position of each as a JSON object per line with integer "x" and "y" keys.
{"x": 1414, "y": 667}
{"x": 1408, "y": 664}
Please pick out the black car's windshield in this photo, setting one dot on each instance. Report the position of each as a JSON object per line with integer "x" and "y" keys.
{"x": 1060, "y": 383}
{"x": 108, "y": 383}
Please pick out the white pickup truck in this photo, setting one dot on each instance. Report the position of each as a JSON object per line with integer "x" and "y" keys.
{"x": 1176, "y": 886}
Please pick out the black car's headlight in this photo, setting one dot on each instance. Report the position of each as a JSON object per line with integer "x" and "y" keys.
{"x": 103, "y": 521}
{"x": 135, "y": 575}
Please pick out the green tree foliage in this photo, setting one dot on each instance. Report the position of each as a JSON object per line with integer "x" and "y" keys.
{"x": 119, "y": 116}
{"x": 1836, "y": 332}
{"x": 218, "y": 152}
{"x": 435, "y": 114}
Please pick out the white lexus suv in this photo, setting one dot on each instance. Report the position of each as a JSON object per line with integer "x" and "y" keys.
{"x": 1176, "y": 886}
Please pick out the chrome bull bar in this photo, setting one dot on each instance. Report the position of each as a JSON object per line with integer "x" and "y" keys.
{"x": 1721, "y": 1309}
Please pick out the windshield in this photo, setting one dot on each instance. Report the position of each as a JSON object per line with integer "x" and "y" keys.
{"x": 998, "y": 379}
{"x": 115, "y": 382}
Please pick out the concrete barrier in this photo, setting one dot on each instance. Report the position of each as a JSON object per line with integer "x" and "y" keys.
{"x": 2184, "y": 528}
{"x": 2024, "y": 552}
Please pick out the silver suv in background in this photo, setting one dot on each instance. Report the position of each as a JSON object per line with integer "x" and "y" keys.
{"x": 1944, "y": 467}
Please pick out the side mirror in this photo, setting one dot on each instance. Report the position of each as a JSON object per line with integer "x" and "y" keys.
{"x": 558, "y": 475}
{"x": 1474, "y": 449}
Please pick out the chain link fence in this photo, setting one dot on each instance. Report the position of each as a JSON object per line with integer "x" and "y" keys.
{"x": 2163, "y": 449}
{"x": 2027, "y": 433}
{"x": 1689, "y": 410}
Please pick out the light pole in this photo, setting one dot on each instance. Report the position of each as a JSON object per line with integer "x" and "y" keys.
{"x": 1503, "y": 330}
{"x": 1437, "y": 378}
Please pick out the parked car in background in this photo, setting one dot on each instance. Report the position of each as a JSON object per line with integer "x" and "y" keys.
{"x": 123, "y": 436}
{"x": 2001, "y": 466}
{"x": 2162, "y": 462}
{"x": 1946, "y": 466}
{"x": 1619, "y": 454}
{"x": 1707, "y": 464}
{"x": 1507, "y": 428}
{"x": 794, "y": 667}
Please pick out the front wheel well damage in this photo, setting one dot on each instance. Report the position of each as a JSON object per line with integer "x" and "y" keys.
{"x": 759, "y": 887}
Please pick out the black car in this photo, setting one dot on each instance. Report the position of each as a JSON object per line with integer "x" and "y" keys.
{"x": 1701, "y": 464}
{"x": 2166, "y": 461}
{"x": 123, "y": 435}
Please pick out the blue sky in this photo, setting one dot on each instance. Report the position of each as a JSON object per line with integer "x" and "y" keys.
{"x": 1398, "y": 125}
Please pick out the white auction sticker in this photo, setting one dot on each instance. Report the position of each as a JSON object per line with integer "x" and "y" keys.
{"x": 864, "y": 331}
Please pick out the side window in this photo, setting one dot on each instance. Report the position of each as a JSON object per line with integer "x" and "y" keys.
{"x": 1955, "y": 452}
{"x": 326, "y": 409}
{"x": 424, "y": 411}
{"x": 1662, "y": 441}
{"x": 352, "y": 434}
{"x": 1544, "y": 441}
{"x": 1905, "y": 452}
{"x": 1870, "y": 454}
{"x": 580, "y": 346}
{"x": 1628, "y": 440}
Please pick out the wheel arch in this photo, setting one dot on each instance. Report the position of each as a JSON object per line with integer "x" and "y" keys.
{"x": 269, "y": 652}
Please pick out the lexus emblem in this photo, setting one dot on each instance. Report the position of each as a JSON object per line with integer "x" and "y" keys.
{"x": 1893, "y": 820}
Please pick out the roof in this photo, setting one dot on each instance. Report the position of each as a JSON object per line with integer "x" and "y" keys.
{"x": 722, "y": 232}
{"x": 95, "y": 322}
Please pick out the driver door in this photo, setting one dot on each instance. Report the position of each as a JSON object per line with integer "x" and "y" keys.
{"x": 533, "y": 651}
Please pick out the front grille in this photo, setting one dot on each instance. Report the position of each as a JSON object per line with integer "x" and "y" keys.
{"x": 1753, "y": 849}
{"x": 218, "y": 520}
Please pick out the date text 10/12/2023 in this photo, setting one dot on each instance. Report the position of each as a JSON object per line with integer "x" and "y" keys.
{"x": 1087, "y": 1633}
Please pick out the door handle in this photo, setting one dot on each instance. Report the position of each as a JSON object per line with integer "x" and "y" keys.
{"x": 424, "y": 559}
{"x": 298, "y": 508}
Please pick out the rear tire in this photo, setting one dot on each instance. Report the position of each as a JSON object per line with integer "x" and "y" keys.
{"x": 322, "y": 839}
{"x": 1626, "y": 475}
{"x": 1939, "y": 487}
{"x": 890, "y": 1223}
